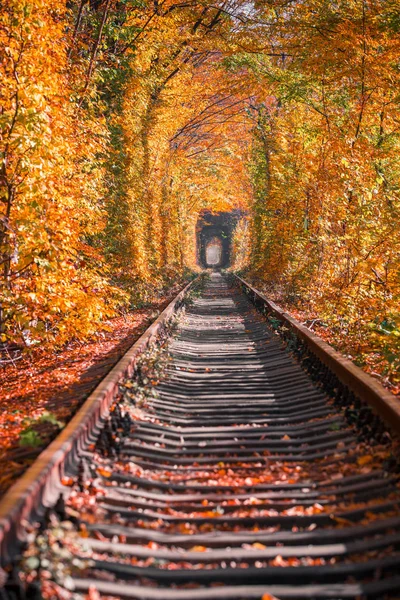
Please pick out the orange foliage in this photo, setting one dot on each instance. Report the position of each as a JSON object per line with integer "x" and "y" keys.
{"x": 52, "y": 287}
{"x": 326, "y": 166}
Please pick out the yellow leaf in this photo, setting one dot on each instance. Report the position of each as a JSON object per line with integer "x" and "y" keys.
{"x": 258, "y": 546}
{"x": 364, "y": 460}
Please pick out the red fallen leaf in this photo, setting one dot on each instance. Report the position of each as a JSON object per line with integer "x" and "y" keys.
{"x": 172, "y": 567}
{"x": 103, "y": 472}
{"x": 252, "y": 500}
{"x": 278, "y": 561}
{"x": 92, "y": 594}
{"x": 67, "y": 481}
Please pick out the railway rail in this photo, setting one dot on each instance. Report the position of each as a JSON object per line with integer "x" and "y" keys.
{"x": 254, "y": 467}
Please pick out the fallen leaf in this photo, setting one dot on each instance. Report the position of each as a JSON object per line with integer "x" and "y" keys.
{"x": 364, "y": 460}
{"x": 258, "y": 546}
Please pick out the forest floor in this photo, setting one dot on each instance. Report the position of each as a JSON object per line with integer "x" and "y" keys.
{"x": 41, "y": 391}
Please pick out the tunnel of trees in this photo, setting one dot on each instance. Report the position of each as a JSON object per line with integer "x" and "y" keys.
{"x": 216, "y": 230}
{"x": 116, "y": 145}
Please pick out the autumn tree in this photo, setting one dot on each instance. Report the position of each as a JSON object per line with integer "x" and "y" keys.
{"x": 53, "y": 285}
{"x": 326, "y": 183}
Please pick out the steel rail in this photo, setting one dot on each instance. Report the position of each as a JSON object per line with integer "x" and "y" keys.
{"x": 386, "y": 405}
{"x": 40, "y": 486}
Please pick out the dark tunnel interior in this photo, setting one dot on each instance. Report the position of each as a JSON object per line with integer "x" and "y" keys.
{"x": 214, "y": 238}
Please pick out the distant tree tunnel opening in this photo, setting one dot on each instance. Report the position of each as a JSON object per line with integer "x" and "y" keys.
{"x": 214, "y": 238}
{"x": 214, "y": 252}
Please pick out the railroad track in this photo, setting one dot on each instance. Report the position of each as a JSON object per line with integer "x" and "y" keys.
{"x": 237, "y": 478}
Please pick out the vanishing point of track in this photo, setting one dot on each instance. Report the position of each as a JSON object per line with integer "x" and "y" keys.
{"x": 240, "y": 477}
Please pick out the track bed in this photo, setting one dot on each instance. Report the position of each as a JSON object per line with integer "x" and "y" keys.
{"x": 239, "y": 479}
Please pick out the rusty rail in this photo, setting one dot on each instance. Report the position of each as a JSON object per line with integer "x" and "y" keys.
{"x": 365, "y": 387}
{"x": 41, "y": 484}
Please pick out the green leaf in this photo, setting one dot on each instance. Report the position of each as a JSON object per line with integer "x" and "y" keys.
{"x": 30, "y": 438}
